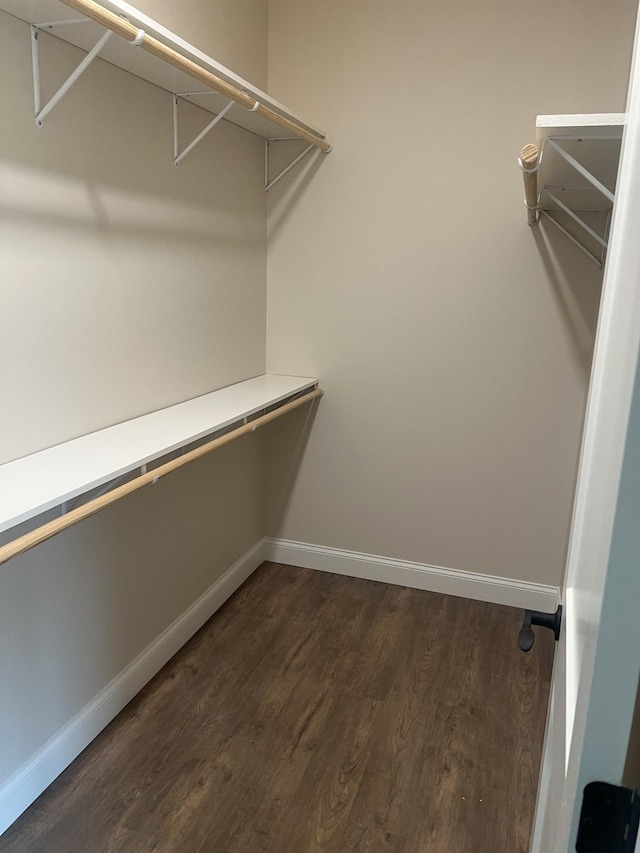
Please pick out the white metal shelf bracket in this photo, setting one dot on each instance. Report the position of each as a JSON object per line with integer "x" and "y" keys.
{"x": 41, "y": 112}
{"x": 178, "y": 155}
{"x": 597, "y": 185}
{"x": 268, "y": 183}
{"x": 575, "y": 164}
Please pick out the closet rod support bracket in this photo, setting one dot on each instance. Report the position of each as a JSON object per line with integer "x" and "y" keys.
{"x": 575, "y": 164}
{"x": 178, "y": 155}
{"x": 41, "y": 112}
{"x": 268, "y": 183}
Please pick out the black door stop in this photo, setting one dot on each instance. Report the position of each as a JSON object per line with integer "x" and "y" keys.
{"x": 526, "y": 637}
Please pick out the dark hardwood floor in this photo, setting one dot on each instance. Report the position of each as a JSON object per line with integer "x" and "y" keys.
{"x": 315, "y": 712}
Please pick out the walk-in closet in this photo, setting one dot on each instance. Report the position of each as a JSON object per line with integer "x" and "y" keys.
{"x": 318, "y": 475}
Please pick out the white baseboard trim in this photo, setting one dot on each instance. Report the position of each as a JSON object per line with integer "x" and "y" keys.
{"x": 30, "y": 780}
{"x": 529, "y": 596}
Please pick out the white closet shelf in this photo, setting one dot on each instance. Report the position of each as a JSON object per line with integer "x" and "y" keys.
{"x": 48, "y": 479}
{"x": 149, "y": 50}
{"x": 570, "y": 176}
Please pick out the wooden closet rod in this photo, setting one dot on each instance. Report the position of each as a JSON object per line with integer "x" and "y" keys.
{"x": 129, "y": 31}
{"x": 529, "y": 160}
{"x": 46, "y": 531}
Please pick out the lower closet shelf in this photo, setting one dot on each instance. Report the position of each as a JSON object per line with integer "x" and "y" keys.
{"x": 133, "y": 451}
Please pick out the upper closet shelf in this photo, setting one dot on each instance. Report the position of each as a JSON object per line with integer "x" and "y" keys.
{"x": 145, "y": 48}
{"x": 570, "y": 176}
{"x": 90, "y": 470}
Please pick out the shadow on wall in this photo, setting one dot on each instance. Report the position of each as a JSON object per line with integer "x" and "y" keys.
{"x": 285, "y": 195}
{"x": 576, "y": 282}
{"x": 285, "y": 445}
{"x": 99, "y": 212}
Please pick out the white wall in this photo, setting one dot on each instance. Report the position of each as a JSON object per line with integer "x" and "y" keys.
{"x": 126, "y": 285}
{"x": 230, "y": 31}
{"x": 454, "y": 342}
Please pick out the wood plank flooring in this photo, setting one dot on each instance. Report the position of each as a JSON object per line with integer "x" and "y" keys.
{"x": 315, "y": 712}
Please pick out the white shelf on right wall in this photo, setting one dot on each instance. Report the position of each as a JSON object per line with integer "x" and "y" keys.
{"x": 577, "y": 173}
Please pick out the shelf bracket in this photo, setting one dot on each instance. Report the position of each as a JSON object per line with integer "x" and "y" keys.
{"x": 575, "y": 164}
{"x": 178, "y": 155}
{"x": 596, "y": 184}
{"x": 268, "y": 183}
{"x": 41, "y": 112}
